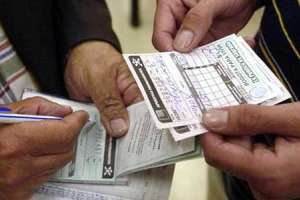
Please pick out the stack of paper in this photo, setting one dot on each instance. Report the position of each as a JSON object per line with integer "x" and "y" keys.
{"x": 179, "y": 88}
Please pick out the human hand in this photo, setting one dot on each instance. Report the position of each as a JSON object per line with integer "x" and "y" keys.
{"x": 185, "y": 24}
{"x": 30, "y": 152}
{"x": 272, "y": 172}
{"x": 97, "y": 72}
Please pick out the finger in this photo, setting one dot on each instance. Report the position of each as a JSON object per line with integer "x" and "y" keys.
{"x": 28, "y": 188}
{"x": 40, "y": 106}
{"x": 250, "y": 40}
{"x": 34, "y": 184}
{"x": 196, "y": 25}
{"x": 217, "y": 153}
{"x": 110, "y": 103}
{"x": 168, "y": 14}
{"x": 243, "y": 141}
{"x": 35, "y": 167}
{"x": 262, "y": 150}
{"x": 252, "y": 119}
{"x": 190, "y": 3}
{"x": 51, "y": 163}
{"x": 164, "y": 28}
{"x": 127, "y": 86}
{"x": 48, "y": 137}
{"x": 132, "y": 95}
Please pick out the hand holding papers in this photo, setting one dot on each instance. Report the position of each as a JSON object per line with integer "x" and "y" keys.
{"x": 179, "y": 88}
{"x": 102, "y": 159}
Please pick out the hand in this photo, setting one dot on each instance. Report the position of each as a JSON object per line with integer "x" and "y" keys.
{"x": 30, "y": 152}
{"x": 97, "y": 72}
{"x": 185, "y": 24}
{"x": 272, "y": 172}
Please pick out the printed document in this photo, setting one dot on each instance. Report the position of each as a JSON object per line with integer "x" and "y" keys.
{"x": 178, "y": 88}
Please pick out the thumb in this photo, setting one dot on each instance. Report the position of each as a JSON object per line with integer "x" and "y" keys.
{"x": 113, "y": 112}
{"x": 253, "y": 119}
{"x": 195, "y": 25}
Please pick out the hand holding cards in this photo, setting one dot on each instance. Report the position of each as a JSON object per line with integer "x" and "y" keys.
{"x": 179, "y": 88}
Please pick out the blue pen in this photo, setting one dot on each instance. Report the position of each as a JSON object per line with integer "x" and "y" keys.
{"x": 8, "y": 118}
{"x": 5, "y": 109}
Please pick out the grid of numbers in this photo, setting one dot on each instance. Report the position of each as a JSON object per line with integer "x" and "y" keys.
{"x": 210, "y": 87}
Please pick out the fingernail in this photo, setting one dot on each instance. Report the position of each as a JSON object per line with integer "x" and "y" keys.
{"x": 183, "y": 39}
{"x": 215, "y": 119}
{"x": 118, "y": 126}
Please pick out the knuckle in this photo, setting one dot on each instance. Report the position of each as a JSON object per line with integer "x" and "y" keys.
{"x": 248, "y": 117}
{"x": 176, "y": 5}
{"x": 193, "y": 17}
{"x": 111, "y": 105}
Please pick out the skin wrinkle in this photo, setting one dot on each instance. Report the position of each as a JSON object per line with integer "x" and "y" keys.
{"x": 128, "y": 85}
{"x": 178, "y": 21}
{"x": 132, "y": 95}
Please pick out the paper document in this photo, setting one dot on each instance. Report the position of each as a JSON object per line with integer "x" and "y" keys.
{"x": 152, "y": 184}
{"x": 178, "y": 88}
{"x": 94, "y": 153}
{"x": 145, "y": 145}
{"x": 102, "y": 159}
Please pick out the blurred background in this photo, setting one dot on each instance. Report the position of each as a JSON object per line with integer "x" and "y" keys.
{"x": 190, "y": 179}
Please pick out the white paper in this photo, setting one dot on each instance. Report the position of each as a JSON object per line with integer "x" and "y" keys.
{"x": 145, "y": 145}
{"x": 179, "y": 88}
